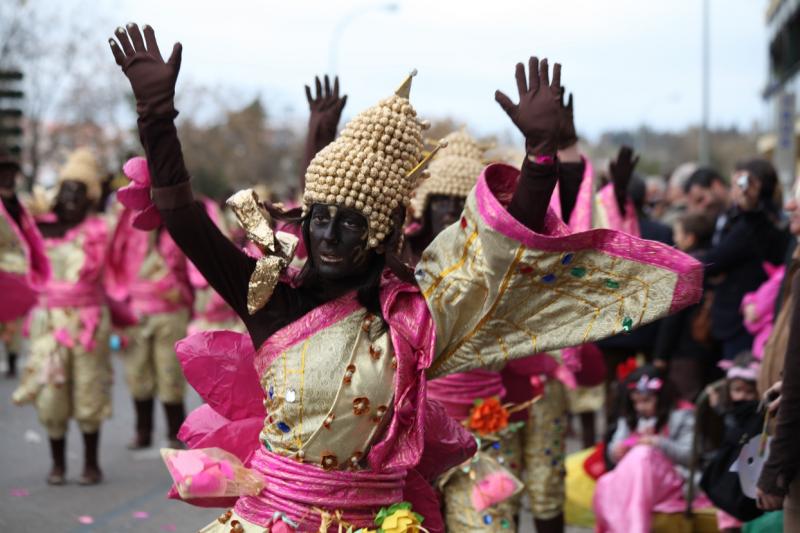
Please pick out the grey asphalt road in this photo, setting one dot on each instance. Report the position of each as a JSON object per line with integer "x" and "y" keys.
{"x": 132, "y": 497}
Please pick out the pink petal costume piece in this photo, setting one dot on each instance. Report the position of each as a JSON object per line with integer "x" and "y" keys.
{"x": 24, "y": 267}
{"x": 354, "y": 431}
{"x": 68, "y": 374}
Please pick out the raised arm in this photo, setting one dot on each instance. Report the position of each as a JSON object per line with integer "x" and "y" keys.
{"x": 572, "y": 166}
{"x": 226, "y": 268}
{"x": 621, "y": 172}
{"x": 538, "y": 117}
{"x": 325, "y": 107}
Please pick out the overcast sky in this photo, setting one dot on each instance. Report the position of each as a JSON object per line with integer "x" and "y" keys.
{"x": 629, "y": 62}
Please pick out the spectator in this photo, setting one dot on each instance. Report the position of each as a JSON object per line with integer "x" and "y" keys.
{"x": 746, "y": 237}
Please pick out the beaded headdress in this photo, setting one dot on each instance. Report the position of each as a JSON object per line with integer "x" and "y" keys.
{"x": 82, "y": 166}
{"x": 453, "y": 172}
{"x": 374, "y": 165}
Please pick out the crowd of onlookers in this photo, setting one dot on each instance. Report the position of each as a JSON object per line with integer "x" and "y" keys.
{"x": 723, "y": 357}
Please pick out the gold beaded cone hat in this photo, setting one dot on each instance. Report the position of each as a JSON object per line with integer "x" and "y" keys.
{"x": 83, "y": 166}
{"x": 374, "y": 164}
{"x": 453, "y": 172}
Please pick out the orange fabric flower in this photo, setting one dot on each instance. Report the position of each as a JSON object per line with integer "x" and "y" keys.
{"x": 489, "y": 416}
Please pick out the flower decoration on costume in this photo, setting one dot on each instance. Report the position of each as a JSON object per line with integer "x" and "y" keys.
{"x": 398, "y": 518}
{"x": 488, "y": 416}
{"x": 136, "y": 196}
{"x": 624, "y": 369}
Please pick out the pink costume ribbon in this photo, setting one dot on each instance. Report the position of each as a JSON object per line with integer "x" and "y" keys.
{"x": 746, "y": 373}
{"x": 458, "y": 392}
{"x": 87, "y": 294}
{"x": 20, "y": 291}
{"x": 136, "y": 196}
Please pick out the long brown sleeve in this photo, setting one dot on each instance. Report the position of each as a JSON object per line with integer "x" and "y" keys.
{"x": 784, "y": 459}
{"x": 226, "y": 267}
{"x": 532, "y": 196}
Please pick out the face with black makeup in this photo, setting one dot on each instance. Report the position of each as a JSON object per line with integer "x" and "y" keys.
{"x": 337, "y": 239}
{"x": 443, "y": 210}
{"x": 72, "y": 202}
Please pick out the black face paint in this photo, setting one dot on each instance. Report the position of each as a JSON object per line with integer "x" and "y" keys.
{"x": 8, "y": 176}
{"x": 444, "y": 210}
{"x": 72, "y": 202}
{"x": 337, "y": 241}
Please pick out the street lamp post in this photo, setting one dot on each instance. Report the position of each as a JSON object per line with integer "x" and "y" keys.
{"x": 338, "y": 30}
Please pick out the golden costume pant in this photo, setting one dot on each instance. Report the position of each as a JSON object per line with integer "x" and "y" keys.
{"x": 544, "y": 451}
{"x": 67, "y": 382}
{"x": 151, "y": 367}
{"x": 461, "y": 516}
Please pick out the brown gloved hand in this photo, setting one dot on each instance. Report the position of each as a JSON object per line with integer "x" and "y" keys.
{"x": 326, "y": 109}
{"x": 567, "y": 135}
{"x": 152, "y": 80}
{"x": 538, "y": 114}
{"x": 621, "y": 173}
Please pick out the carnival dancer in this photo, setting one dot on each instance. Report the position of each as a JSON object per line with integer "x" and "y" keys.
{"x": 68, "y": 374}
{"x": 150, "y": 272}
{"x": 343, "y": 351}
{"x": 23, "y": 264}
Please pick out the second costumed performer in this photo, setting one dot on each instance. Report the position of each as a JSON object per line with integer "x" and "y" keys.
{"x": 344, "y": 349}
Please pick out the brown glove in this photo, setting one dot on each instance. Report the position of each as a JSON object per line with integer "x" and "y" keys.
{"x": 621, "y": 172}
{"x": 152, "y": 80}
{"x": 538, "y": 114}
{"x": 326, "y": 110}
{"x": 567, "y": 135}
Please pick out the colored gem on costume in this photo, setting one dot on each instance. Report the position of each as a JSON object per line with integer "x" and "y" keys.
{"x": 419, "y": 273}
{"x": 496, "y": 445}
{"x": 611, "y": 284}
{"x": 360, "y": 406}
{"x": 526, "y": 269}
{"x": 224, "y": 517}
{"x": 379, "y": 413}
{"x": 329, "y": 461}
{"x": 328, "y": 420}
{"x": 271, "y": 392}
{"x": 567, "y": 259}
{"x": 284, "y": 427}
{"x": 463, "y": 222}
{"x": 505, "y": 523}
{"x": 375, "y": 352}
{"x": 627, "y": 324}
{"x": 291, "y": 395}
{"x": 348, "y": 375}
{"x": 578, "y": 272}
{"x": 549, "y": 278}
{"x": 487, "y": 519}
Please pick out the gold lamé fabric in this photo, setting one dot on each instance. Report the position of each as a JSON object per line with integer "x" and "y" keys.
{"x": 12, "y": 252}
{"x": 151, "y": 366}
{"x": 278, "y": 248}
{"x": 493, "y": 299}
{"x": 328, "y": 396}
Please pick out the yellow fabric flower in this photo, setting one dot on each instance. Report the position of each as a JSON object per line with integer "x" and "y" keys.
{"x": 401, "y": 521}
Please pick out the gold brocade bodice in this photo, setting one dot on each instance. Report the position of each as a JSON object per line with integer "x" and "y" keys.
{"x": 67, "y": 257}
{"x": 329, "y": 396}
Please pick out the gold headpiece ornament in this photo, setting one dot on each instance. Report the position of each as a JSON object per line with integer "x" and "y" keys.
{"x": 374, "y": 165}
{"x": 453, "y": 172}
{"x": 83, "y": 166}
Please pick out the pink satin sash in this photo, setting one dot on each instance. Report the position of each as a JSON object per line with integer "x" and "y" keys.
{"x": 299, "y": 490}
